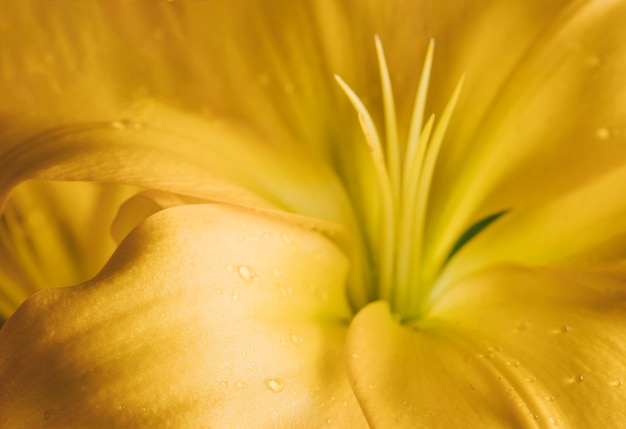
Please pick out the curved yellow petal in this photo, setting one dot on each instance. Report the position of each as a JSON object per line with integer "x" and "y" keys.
{"x": 78, "y": 104}
{"x": 555, "y": 124}
{"x": 508, "y": 347}
{"x": 206, "y": 316}
{"x": 585, "y": 226}
{"x": 406, "y": 377}
{"x": 558, "y": 336}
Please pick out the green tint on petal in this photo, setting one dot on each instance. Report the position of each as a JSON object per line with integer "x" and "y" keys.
{"x": 557, "y": 122}
{"x": 423, "y": 378}
{"x": 206, "y": 316}
{"x": 557, "y": 336}
{"x": 565, "y": 228}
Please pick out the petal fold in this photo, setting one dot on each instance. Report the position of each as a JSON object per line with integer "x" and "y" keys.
{"x": 206, "y": 316}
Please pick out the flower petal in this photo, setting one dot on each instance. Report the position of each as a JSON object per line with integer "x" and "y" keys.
{"x": 585, "y": 226}
{"x": 557, "y": 336}
{"x": 205, "y": 316}
{"x": 555, "y": 124}
{"x": 55, "y": 234}
{"x": 79, "y": 105}
{"x": 509, "y": 347}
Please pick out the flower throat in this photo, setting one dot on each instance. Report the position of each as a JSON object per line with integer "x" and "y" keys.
{"x": 404, "y": 175}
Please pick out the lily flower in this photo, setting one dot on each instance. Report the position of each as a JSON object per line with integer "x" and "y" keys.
{"x": 319, "y": 219}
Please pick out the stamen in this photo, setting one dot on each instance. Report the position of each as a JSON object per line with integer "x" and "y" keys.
{"x": 418, "y": 110}
{"x": 391, "y": 124}
{"x": 407, "y": 216}
{"x": 386, "y": 253}
{"x": 404, "y": 186}
{"x": 425, "y": 183}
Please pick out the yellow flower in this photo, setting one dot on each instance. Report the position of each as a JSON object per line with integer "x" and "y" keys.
{"x": 279, "y": 263}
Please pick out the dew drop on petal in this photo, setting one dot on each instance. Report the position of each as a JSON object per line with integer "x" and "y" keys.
{"x": 230, "y": 268}
{"x": 235, "y": 297}
{"x": 565, "y": 329}
{"x": 246, "y": 272}
{"x": 275, "y": 385}
{"x": 603, "y": 133}
{"x": 579, "y": 378}
{"x": 296, "y": 339}
{"x": 218, "y": 291}
{"x": 241, "y": 384}
{"x": 616, "y": 383}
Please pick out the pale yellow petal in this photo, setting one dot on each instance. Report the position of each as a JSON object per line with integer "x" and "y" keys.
{"x": 585, "y": 226}
{"x": 422, "y": 378}
{"x": 555, "y": 124}
{"x": 556, "y": 336}
{"x": 508, "y": 347}
{"x": 206, "y": 316}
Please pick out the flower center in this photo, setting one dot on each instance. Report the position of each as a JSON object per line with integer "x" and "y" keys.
{"x": 404, "y": 173}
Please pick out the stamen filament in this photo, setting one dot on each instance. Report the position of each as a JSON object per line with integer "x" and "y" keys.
{"x": 391, "y": 123}
{"x": 419, "y": 107}
{"x": 423, "y": 191}
{"x": 386, "y": 252}
{"x": 408, "y": 215}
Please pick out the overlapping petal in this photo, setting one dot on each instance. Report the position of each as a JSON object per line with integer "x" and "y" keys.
{"x": 80, "y": 106}
{"x": 511, "y": 346}
{"x": 555, "y": 124}
{"x": 55, "y": 234}
{"x": 206, "y": 316}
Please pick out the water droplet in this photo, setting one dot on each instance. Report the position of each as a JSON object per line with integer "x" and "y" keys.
{"x": 616, "y": 383}
{"x": 287, "y": 239}
{"x": 118, "y": 125}
{"x": 277, "y": 273}
{"x": 218, "y": 291}
{"x": 235, "y": 297}
{"x": 554, "y": 421}
{"x": 296, "y": 339}
{"x": 224, "y": 383}
{"x": 329, "y": 421}
{"x": 46, "y": 415}
{"x": 579, "y": 378}
{"x": 241, "y": 384}
{"x": 355, "y": 355}
{"x": 230, "y": 268}
{"x": 603, "y": 133}
{"x": 284, "y": 290}
{"x": 550, "y": 398}
{"x": 531, "y": 379}
{"x": 565, "y": 329}
{"x": 284, "y": 343}
{"x": 245, "y": 272}
{"x": 275, "y": 385}
{"x": 517, "y": 364}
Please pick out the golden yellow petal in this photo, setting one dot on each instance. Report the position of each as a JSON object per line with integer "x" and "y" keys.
{"x": 55, "y": 234}
{"x": 206, "y": 316}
